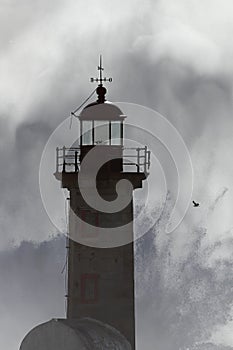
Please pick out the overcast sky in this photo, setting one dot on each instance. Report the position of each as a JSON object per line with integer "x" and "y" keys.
{"x": 175, "y": 56}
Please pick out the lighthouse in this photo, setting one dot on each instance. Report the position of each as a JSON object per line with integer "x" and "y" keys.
{"x": 101, "y": 277}
{"x": 100, "y": 174}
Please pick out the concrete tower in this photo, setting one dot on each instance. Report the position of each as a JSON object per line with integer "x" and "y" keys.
{"x": 101, "y": 279}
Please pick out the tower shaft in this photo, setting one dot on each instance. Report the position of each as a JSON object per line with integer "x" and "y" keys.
{"x": 101, "y": 286}
{"x": 101, "y": 280}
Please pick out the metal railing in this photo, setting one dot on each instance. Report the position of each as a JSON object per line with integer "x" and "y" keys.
{"x": 68, "y": 159}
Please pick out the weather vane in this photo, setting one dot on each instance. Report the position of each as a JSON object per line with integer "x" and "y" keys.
{"x": 100, "y": 79}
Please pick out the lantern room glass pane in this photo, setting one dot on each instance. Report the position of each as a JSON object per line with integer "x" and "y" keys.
{"x": 116, "y": 133}
{"x": 87, "y": 132}
{"x": 101, "y": 132}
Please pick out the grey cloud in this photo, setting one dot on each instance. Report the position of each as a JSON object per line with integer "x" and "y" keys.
{"x": 48, "y": 53}
{"x": 219, "y": 197}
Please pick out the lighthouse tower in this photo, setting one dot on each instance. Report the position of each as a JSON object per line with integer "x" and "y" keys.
{"x": 101, "y": 276}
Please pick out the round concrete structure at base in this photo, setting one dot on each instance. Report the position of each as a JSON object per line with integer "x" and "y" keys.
{"x": 74, "y": 334}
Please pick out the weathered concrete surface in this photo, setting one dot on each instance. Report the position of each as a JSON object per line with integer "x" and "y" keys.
{"x": 74, "y": 334}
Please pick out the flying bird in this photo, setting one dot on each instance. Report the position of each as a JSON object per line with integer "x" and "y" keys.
{"x": 195, "y": 204}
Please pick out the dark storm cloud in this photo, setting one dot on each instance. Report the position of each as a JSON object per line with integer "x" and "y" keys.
{"x": 32, "y": 288}
{"x": 22, "y": 214}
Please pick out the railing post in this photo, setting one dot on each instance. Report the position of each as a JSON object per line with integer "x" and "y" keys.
{"x": 138, "y": 160}
{"x": 57, "y": 159}
{"x": 145, "y": 162}
{"x": 64, "y": 158}
{"x": 76, "y": 161}
{"x": 148, "y": 159}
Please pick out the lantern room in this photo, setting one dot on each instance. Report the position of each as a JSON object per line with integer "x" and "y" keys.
{"x": 101, "y": 124}
{"x": 102, "y": 127}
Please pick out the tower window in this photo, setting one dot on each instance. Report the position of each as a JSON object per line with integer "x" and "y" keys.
{"x": 89, "y": 288}
{"x": 116, "y": 133}
{"x": 101, "y": 132}
{"x": 87, "y": 132}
